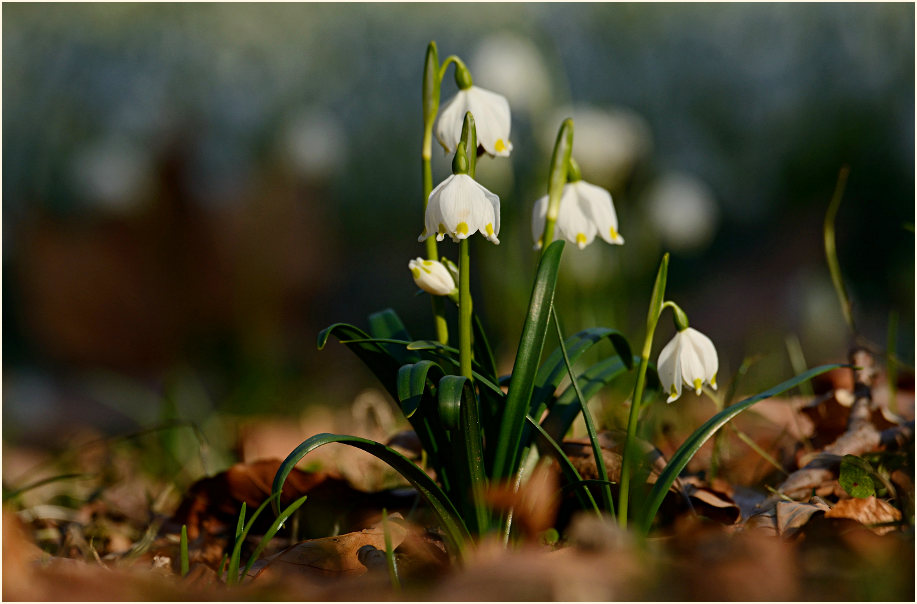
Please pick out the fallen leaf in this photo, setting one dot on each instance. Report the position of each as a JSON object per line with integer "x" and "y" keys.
{"x": 330, "y": 557}
{"x": 793, "y": 515}
{"x": 534, "y": 504}
{"x": 868, "y": 511}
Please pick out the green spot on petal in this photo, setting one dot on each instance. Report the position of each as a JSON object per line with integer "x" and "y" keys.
{"x": 462, "y": 228}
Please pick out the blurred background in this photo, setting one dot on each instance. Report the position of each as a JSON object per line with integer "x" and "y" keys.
{"x": 192, "y": 192}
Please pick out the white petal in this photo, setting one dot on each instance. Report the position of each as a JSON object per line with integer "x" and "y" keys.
{"x": 692, "y": 368}
{"x": 599, "y": 207}
{"x": 572, "y": 224}
{"x": 707, "y": 354}
{"x": 668, "y": 369}
{"x": 451, "y": 118}
{"x": 492, "y": 120}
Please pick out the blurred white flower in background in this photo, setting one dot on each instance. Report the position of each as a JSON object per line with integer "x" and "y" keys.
{"x": 513, "y": 64}
{"x": 112, "y": 174}
{"x": 608, "y": 143}
{"x": 683, "y": 211}
{"x": 314, "y": 143}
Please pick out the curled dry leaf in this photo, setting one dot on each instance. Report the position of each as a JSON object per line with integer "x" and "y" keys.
{"x": 868, "y": 511}
{"x": 793, "y": 515}
{"x": 331, "y": 557}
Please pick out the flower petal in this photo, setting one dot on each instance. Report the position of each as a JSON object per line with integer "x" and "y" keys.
{"x": 667, "y": 367}
{"x": 598, "y": 205}
{"x": 572, "y": 224}
{"x": 451, "y": 118}
{"x": 492, "y": 120}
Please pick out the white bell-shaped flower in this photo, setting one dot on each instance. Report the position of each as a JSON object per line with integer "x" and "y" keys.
{"x": 690, "y": 359}
{"x": 491, "y": 116}
{"x": 459, "y": 207}
{"x": 432, "y": 277}
{"x": 585, "y": 210}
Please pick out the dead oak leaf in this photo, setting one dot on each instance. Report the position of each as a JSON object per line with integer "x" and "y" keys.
{"x": 869, "y": 511}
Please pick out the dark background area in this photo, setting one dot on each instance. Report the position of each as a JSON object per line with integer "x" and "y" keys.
{"x": 191, "y": 192}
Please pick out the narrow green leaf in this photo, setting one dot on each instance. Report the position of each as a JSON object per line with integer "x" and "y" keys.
{"x": 271, "y": 531}
{"x": 456, "y": 532}
{"x": 566, "y": 467}
{"x": 566, "y": 408}
{"x": 456, "y": 393}
{"x": 183, "y": 550}
{"x": 232, "y": 575}
{"x": 413, "y": 383}
{"x": 590, "y": 425}
{"x": 390, "y": 553}
{"x": 694, "y": 442}
{"x": 552, "y": 371}
{"x": 483, "y": 355}
{"x": 525, "y": 367}
{"x": 386, "y": 324}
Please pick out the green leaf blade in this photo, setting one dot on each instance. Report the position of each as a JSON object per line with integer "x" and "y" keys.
{"x": 528, "y": 355}
{"x": 694, "y": 442}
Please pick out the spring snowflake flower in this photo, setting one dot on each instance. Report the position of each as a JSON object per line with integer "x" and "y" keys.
{"x": 585, "y": 210}
{"x": 689, "y": 358}
{"x": 432, "y": 277}
{"x": 459, "y": 207}
{"x": 491, "y": 118}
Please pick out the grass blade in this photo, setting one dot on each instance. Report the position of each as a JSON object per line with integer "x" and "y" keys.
{"x": 183, "y": 550}
{"x": 455, "y": 529}
{"x": 525, "y": 367}
{"x": 694, "y": 442}
{"x": 386, "y": 324}
{"x": 590, "y": 426}
{"x": 390, "y": 553}
{"x": 271, "y": 531}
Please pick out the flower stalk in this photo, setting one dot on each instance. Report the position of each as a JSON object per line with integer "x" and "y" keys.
{"x": 430, "y": 101}
{"x": 468, "y": 141}
{"x": 652, "y": 318}
{"x": 560, "y": 162}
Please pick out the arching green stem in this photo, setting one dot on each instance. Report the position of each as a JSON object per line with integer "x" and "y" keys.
{"x": 560, "y": 161}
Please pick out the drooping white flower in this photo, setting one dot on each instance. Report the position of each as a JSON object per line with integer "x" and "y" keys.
{"x": 689, "y": 358}
{"x": 585, "y": 210}
{"x": 459, "y": 207}
{"x": 491, "y": 117}
{"x": 432, "y": 277}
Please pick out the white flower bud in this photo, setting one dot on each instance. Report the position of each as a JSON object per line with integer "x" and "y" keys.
{"x": 432, "y": 277}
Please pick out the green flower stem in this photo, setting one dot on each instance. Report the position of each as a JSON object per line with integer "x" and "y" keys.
{"x": 450, "y": 59}
{"x": 560, "y": 161}
{"x": 431, "y": 89}
{"x": 652, "y": 318}
{"x": 464, "y": 309}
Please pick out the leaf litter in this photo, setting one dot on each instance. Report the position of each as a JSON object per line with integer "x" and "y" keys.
{"x": 748, "y": 532}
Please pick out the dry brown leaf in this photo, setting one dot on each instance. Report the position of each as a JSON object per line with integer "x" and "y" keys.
{"x": 213, "y": 503}
{"x": 793, "y": 515}
{"x": 330, "y": 557}
{"x": 536, "y": 502}
{"x": 868, "y": 511}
